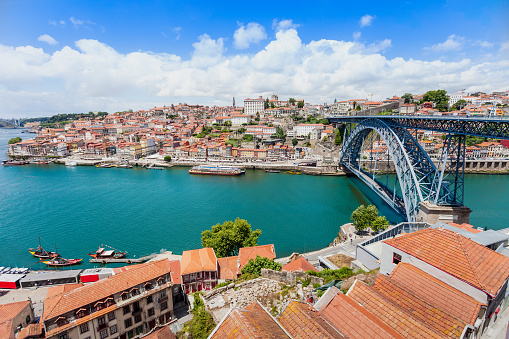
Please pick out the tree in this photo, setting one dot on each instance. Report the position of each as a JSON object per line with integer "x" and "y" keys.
{"x": 379, "y": 224}
{"x": 167, "y": 158}
{"x": 459, "y": 104}
{"x": 227, "y": 238}
{"x": 248, "y": 137}
{"x": 337, "y": 140}
{"x": 267, "y": 104}
{"x": 295, "y": 141}
{"x": 255, "y": 266}
{"x": 14, "y": 140}
{"x": 364, "y": 216}
{"x": 291, "y": 101}
{"x": 300, "y": 104}
{"x": 408, "y": 98}
{"x": 202, "y": 323}
{"x": 439, "y": 97}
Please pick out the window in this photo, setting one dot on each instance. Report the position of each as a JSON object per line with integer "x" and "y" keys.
{"x": 61, "y": 322}
{"x": 162, "y": 294}
{"x": 99, "y": 306}
{"x": 149, "y": 299}
{"x": 104, "y": 333}
{"x": 148, "y": 286}
{"x": 139, "y": 329}
{"x": 125, "y": 295}
{"x": 126, "y": 309}
{"x": 81, "y": 313}
{"x": 161, "y": 319}
{"x": 128, "y": 322}
{"x": 113, "y": 329}
{"x": 198, "y": 275}
{"x": 63, "y": 336}
{"x": 83, "y": 328}
{"x": 28, "y": 319}
{"x": 396, "y": 258}
{"x": 137, "y": 318}
{"x": 134, "y": 292}
{"x": 136, "y": 306}
{"x": 111, "y": 315}
{"x": 151, "y": 312}
{"x": 161, "y": 281}
{"x": 109, "y": 302}
{"x": 164, "y": 305}
{"x": 101, "y": 321}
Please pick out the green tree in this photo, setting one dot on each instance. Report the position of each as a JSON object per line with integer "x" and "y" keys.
{"x": 203, "y": 323}
{"x": 379, "y": 224}
{"x": 291, "y": 101}
{"x": 364, "y": 216}
{"x": 241, "y": 130}
{"x": 408, "y": 98}
{"x": 255, "y": 266}
{"x": 267, "y": 104}
{"x": 167, "y": 158}
{"x": 300, "y": 104}
{"x": 280, "y": 134}
{"x": 439, "y": 97}
{"x": 308, "y": 144}
{"x": 14, "y": 140}
{"x": 295, "y": 141}
{"x": 248, "y": 137}
{"x": 459, "y": 104}
{"x": 228, "y": 237}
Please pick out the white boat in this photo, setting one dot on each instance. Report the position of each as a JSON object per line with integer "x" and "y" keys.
{"x": 71, "y": 163}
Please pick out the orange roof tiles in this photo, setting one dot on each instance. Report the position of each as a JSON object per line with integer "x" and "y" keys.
{"x": 203, "y": 259}
{"x": 68, "y": 301}
{"x": 355, "y": 321}
{"x": 300, "y": 321}
{"x": 458, "y": 256}
{"x": 465, "y": 227}
{"x": 7, "y": 313}
{"x": 251, "y": 322}
{"x": 440, "y": 321}
{"x": 300, "y": 264}
{"x": 227, "y": 267}
{"x": 247, "y": 253}
{"x": 436, "y": 292}
{"x": 161, "y": 333}
{"x": 401, "y": 321}
{"x": 32, "y": 330}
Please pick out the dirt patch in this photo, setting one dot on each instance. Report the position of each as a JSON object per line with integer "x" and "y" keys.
{"x": 341, "y": 260}
{"x": 368, "y": 278}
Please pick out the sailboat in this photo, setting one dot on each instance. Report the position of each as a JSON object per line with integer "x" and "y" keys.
{"x": 39, "y": 252}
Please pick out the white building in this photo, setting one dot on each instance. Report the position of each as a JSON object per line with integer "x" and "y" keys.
{"x": 261, "y": 132}
{"x": 253, "y": 106}
{"x": 303, "y": 130}
{"x": 455, "y": 97}
{"x": 240, "y": 119}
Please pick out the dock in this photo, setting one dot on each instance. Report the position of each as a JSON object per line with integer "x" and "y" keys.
{"x": 123, "y": 260}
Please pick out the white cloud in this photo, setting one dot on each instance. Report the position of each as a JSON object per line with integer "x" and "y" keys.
{"x": 245, "y": 36}
{"x": 77, "y": 23}
{"x": 484, "y": 44}
{"x": 366, "y": 20}
{"x": 93, "y": 76}
{"x": 283, "y": 25}
{"x": 356, "y": 35}
{"x": 504, "y": 46}
{"x": 453, "y": 43}
{"x": 47, "y": 39}
{"x": 177, "y": 31}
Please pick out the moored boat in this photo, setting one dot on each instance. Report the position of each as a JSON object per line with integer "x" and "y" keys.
{"x": 71, "y": 163}
{"x": 102, "y": 253}
{"x": 60, "y": 262}
{"x": 14, "y": 162}
{"x": 41, "y": 253}
{"x": 216, "y": 170}
{"x": 272, "y": 171}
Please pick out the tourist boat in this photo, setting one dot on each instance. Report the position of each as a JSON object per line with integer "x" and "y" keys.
{"x": 216, "y": 170}
{"x": 39, "y": 252}
{"x": 103, "y": 165}
{"x": 42, "y": 162}
{"x": 14, "y": 162}
{"x": 155, "y": 167}
{"x": 102, "y": 253}
{"x": 61, "y": 262}
{"x": 124, "y": 166}
{"x": 272, "y": 171}
{"x": 71, "y": 163}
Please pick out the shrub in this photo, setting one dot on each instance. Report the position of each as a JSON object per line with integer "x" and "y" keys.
{"x": 255, "y": 266}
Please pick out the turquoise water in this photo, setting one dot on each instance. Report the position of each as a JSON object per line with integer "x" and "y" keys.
{"x": 143, "y": 211}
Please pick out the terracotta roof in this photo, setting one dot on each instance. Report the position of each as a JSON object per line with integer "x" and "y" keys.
{"x": 56, "y": 290}
{"x": 247, "y": 253}
{"x": 465, "y": 227}
{"x": 354, "y": 321}
{"x": 436, "y": 292}
{"x": 7, "y": 313}
{"x": 300, "y": 321}
{"x": 161, "y": 333}
{"x": 203, "y": 259}
{"x": 399, "y": 319}
{"x": 228, "y": 267}
{"x": 426, "y": 313}
{"x": 251, "y": 322}
{"x": 82, "y": 296}
{"x": 299, "y": 264}
{"x": 30, "y": 330}
{"x": 457, "y": 255}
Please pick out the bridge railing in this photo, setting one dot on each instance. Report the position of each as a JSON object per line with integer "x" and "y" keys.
{"x": 405, "y": 115}
{"x": 372, "y": 260}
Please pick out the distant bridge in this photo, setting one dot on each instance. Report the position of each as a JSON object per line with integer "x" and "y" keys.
{"x": 418, "y": 177}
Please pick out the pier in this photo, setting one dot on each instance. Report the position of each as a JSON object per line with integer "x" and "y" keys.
{"x": 123, "y": 260}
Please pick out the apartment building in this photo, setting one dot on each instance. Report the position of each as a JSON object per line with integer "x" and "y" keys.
{"x": 199, "y": 270}
{"x": 253, "y": 106}
{"x": 126, "y": 305}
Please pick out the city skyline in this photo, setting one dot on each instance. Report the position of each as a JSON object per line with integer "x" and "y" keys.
{"x": 72, "y": 57}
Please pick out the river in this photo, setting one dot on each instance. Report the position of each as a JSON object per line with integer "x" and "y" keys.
{"x": 143, "y": 211}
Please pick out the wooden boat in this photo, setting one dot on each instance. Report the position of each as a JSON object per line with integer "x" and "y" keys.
{"x": 61, "y": 262}
{"x": 14, "y": 162}
{"x": 272, "y": 171}
{"x": 102, "y": 253}
{"x": 39, "y": 252}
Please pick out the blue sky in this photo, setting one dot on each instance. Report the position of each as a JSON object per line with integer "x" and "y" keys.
{"x": 70, "y": 56}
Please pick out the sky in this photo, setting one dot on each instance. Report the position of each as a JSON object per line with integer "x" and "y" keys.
{"x": 63, "y": 56}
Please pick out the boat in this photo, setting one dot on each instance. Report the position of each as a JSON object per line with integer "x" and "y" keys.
{"x": 156, "y": 168}
{"x": 216, "y": 170}
{"x": 124, "y": 166}
{"x": 272, "y": 171}
{"x": 39, "y": 252}
{"x": 42, "y": 162}
{"x": 71, "y": 163}
{"x": 293, "y": 172}
{"x": 103, "y": 165}
{"x": 102, "y": 253}
{"x": 14, "y": 162}
{"x": 61, "y": 262}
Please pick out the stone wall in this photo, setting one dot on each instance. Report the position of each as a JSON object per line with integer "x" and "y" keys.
{"x": 289, "y": 278}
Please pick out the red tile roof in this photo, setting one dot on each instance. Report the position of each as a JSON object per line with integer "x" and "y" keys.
{"x": 203, "y": 259}
{"x": 7, "y": 313}
{"x": 227, "y": 267}
{"x": 438, "y": 320}
{"x": 355, "y": 321}
{"x": 458, "y": 256}
{"x": 300, "y": 264}
{"x": 251, "y": 322}
{"x": 161, "y": 333}
{"x": 301, "y": 321}
{"x": 436, "y": 292}
{"x": 247, "y": 253}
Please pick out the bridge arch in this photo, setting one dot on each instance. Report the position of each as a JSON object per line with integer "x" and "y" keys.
{"x": 414, "y": 169}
